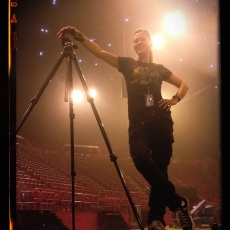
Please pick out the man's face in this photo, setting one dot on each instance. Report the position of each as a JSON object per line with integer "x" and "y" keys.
{"x": 141, "y": 43}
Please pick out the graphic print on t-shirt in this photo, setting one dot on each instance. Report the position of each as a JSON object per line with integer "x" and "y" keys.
{"x": 139, "y": 75}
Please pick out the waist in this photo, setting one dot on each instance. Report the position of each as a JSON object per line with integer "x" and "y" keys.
{"x": 147, "y": 113}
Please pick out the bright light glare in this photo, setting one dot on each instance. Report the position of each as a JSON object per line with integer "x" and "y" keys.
{"x": 77, "y": 96}
{"x": 174, "y": 23}
{"x": 157, "y": 41}
{"x": 92, "y": 93}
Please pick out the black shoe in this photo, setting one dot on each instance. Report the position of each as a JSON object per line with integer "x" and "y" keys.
{"x": 183, "y": 216}
{"x": 156, "y": 225}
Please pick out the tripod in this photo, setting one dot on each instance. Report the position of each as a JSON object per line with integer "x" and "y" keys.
{"x": 70, "y": 57}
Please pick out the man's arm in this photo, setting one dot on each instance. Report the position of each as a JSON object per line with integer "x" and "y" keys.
{"x": 92, "y": 47}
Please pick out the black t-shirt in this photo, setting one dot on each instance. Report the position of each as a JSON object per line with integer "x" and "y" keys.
{"x": 142, "y": 78}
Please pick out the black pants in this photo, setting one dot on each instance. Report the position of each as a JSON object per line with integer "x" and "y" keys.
{"x": 150, "y": 142}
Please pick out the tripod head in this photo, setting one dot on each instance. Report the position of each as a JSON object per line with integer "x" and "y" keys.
{"x": 65, "y": 41}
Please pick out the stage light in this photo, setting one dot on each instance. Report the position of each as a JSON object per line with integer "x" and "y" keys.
{"x": 77, "y": 96}
{"x": 174, "y": 23}
{"x": 92, "y": 93}
{"x": 157, "y": 41}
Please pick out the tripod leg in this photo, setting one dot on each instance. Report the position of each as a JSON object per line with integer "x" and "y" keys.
{"x": 69, "y": 91}
{"x": 112, "y": 156}
{"x": 67, "y": 53}
{"x": 38, "y": 95}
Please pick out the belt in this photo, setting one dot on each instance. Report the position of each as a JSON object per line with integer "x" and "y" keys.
{"x": 142, "y": 116}
{"x": 148, "y": 116}
{"x": 150, "y": 113}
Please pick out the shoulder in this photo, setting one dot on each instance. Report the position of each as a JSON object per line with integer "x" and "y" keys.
{"x": 160, "y": 66}
{"x": 126, "y": 62}
{"x": 165, "y": 72}
{"x": 126, "y": 59}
